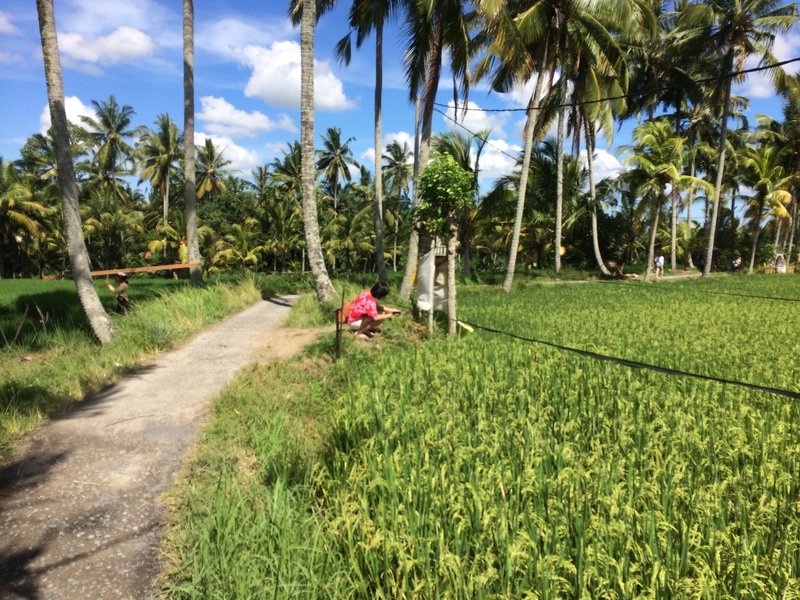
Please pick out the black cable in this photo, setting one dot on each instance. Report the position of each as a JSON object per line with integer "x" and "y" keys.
{"x": 625, "y": 96}
{"x": 639, "y": 365}
{"x": 475, "y": 135}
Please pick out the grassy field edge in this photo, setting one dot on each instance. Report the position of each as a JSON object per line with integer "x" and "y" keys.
{"x": 38, "y": 385}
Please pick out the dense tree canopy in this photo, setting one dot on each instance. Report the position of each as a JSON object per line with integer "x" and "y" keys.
{"x": 596, "y": 66}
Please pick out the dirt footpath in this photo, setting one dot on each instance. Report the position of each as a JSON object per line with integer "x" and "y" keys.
{"x": 79, "y": 510}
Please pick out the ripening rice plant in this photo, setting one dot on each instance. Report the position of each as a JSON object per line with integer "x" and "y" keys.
{"x": 498, "y": 468}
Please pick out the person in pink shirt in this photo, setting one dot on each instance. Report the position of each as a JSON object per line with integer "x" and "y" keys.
{"x": 366, "y": 314}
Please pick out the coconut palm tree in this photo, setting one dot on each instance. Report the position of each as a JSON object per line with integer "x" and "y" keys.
{"x": 108, "y": 133}
{"x": 21, "y": 214}
{"x": 106, "y": 222}
{"x": 535, "y": 39}
{"x": 397, "y": 166}
{"x": 284, "y": 229}
{"x": 260, "y": 184}
{"x": 763, "y": 169}
{"x": 308, "y": 19}
{"x": 658, "y": 154}
{"x": 334, "y": 161}
{"x": 241, "y": 248}
{"x": 157, "y": 152}
{"x": 733, "y": 32}
{"x": 211, "y": 170}
{"x": 521, "y": 47}
{"x": 435, "y": 26}
{"x": 366, "y": 16}
{"x": 786, "y": 135}
{"x": 189, "y": 176}
{"x": 101, "y": 325}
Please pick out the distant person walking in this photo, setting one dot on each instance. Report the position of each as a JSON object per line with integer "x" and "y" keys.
{"x": 737, "y": 264}
{"x": 659, "y": 265}
{"x": 121, "y": 292}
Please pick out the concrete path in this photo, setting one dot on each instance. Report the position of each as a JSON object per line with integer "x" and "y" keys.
{"x": 79, "y": 510}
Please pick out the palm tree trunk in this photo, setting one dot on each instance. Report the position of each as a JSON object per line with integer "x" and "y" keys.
{"x": 413, "y": 241}
{"x": 723, "y": 138}
{"x": 792, "y": 229}
{"x": 325, "y": 290}
{"x": 651, "y": 246}
{"x": 593, "y": 198}
{"x": 689, "y": 201}
{"x": 432, "y": 286}
{"x": 673, "y": 244}
{"x": 559, "y": 186}
{"x": 165, "y": 207}
{"x": 432, "y": 74}
{"x": 734, "y": 225}
{"x": 102, "y": 326}
{"x": 380, "y": 263}
{"x": 533, "y": 104}
{"x": 756, "y": 232}
{"x": 190, "y": 187}
{"x": 394, "y": 248}
{"x": 452, "y": 313}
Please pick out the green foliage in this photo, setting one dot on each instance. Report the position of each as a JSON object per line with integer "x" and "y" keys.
{"x": 445, "y": 187}
{"x": 308, "y": 312}
{"x": 244, "y": 530}
{"x": 489, "y": 467}
{"x": 56, "y": 363}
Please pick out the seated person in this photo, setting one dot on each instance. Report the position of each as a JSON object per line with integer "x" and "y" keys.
{"x": 366, "y": 314}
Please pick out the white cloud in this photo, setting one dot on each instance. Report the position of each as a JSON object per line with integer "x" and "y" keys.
{"x": 6, "y": 26}
{"x": 760, "y": 84}
{"x": 224, "y": 119}
{"x": 475, "y": 120}
{"x": 124, "y": 44}
{"x": 757, "y": 85}
{"x": 9, "y": 58}
{"x": 242, "y": 159}
{"x": 604, "y": 164}
{"x": 495, "y": 160}
{"x": 75, "y": 109}
{"x": 277, "y": 148}
{"x": 275, "y": 77}
{"x": 787, "y": 46}
{"x": 93, "y": 19}
{"x": 520, "y": 93}
{"x": 228, "y": 36}
{"x": 368, "y": 158}
{"x": 401, "y": 137}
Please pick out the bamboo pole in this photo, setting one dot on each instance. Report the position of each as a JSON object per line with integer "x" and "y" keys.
{"x": 130, "y": 270}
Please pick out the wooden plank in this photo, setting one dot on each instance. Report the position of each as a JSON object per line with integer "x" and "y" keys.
{"x": 149, "y": 269}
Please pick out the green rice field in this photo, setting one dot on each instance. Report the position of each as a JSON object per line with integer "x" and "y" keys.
{"x": 493, "y": 467}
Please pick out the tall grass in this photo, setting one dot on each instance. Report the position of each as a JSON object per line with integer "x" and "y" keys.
{"x": 244, "y": 529}
{"x": 67, "y": 365}
{"x": 492, "y": 468}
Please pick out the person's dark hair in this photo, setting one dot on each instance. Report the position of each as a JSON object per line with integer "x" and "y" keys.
{"x": 380, "y": 290}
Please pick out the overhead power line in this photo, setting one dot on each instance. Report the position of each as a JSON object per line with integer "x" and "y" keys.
{"x": 485, "y": 140}
{"x": 626, "y": 96}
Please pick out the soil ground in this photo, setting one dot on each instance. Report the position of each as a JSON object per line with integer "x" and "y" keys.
{"x": 80, "y": 515}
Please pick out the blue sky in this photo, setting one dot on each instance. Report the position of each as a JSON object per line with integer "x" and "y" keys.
{"x": 248, "y": 78}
